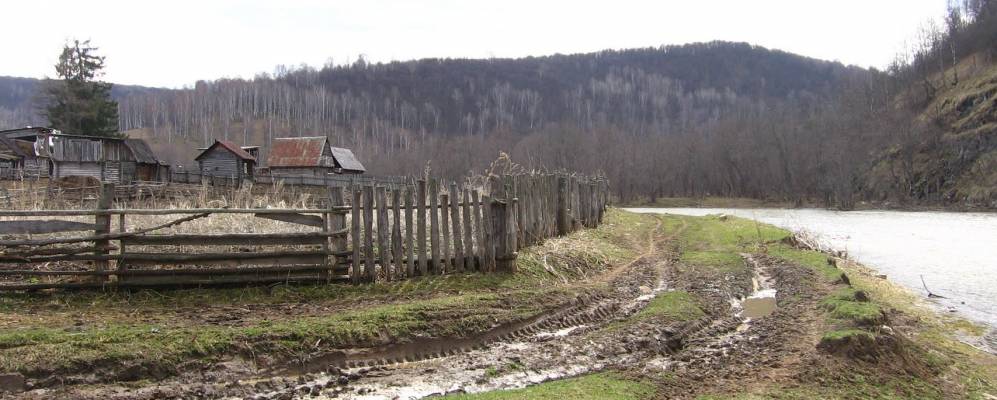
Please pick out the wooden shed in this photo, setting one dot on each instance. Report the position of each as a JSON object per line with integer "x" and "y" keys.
{"x": 49, "y": 152}
{"x": 224, "y": 159}
{"x": 147, "y": 167}
{"x": 22, "y": 159}
{"x": 11, "y": 159}
{"x": 310, "y": 156}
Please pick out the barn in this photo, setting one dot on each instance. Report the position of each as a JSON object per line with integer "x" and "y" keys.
{"x": 11, "y": 159}
{"x": 147, "y": 167}
{"x": 57, "y": 155}
{"x": 310, "y": 156}
{"x": 224, "y": 159}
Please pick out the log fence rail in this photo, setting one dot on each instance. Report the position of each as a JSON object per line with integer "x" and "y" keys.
{"x": 386, "y": 232}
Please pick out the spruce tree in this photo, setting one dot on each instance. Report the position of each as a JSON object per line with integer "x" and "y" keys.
{"x": 79, "y": 102}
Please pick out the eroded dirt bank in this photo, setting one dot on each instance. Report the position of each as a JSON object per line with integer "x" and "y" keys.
{"x": 669, "y": 315}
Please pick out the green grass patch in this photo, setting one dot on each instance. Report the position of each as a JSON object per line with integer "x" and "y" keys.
{"x": 814, "y": 260}
{"x": 601, "y": 386}
{"x": 27, "y": 349}
{"x": 673, "y": 306}
{"x": 71, "y": 330}
{"x": 843, "y": 306}
{"x": 718, "y": 259}
{"x": 842, "y": 334}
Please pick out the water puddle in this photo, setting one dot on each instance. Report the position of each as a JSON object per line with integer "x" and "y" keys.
{"x": 759, "y": 304}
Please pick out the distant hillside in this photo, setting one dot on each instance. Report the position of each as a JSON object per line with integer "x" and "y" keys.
{"x": 399, "y": 115}
{"x": 954, "y": 158}
{"x": 17, "y": 100}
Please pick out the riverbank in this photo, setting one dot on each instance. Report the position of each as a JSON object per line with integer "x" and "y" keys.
{"x": 839, "y": 330}
{"x": 645, "y": 306}
{"x": 744, "y": 202}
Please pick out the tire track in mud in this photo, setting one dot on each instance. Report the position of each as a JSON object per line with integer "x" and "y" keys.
{"x": 584, "y": 310}
{"x": 376, "y": 372}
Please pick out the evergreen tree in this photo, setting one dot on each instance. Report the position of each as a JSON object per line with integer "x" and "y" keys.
{"x": 79, "y": 102}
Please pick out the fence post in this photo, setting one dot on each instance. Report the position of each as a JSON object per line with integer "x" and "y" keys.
{"x": 563, "y": 219}
{"x": 337, "y": 221}
{"x": 122, "y": 265}
{"x": 103, "y": 222}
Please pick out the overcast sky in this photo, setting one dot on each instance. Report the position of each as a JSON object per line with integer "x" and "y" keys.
{"x": 177, "y": 42}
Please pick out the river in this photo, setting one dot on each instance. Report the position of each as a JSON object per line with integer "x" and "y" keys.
{"x": 955, "y": 252}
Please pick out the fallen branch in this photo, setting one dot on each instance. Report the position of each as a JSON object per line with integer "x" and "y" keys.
{"x": 930, "y": 295}
{"x": 106, "y": 236}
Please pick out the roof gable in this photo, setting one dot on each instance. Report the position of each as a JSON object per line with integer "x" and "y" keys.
{"x": 141, "y": 151}
{"x": 230, "y": 147}
{"x": 299, "y": 152}
{"x": 7, "y": 143}
{"x": 346, "y": 160}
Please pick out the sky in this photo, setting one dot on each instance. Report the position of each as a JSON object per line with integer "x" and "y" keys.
{"x": 177, "y": 42}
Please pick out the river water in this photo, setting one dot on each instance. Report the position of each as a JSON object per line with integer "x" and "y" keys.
{"x": 956, "y": 253}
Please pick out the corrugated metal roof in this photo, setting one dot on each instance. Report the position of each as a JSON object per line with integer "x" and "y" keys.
{"x": 346, "y": 160}
{"x": 298, "y": 152}
{"x": 232, "y": 147}
{"x": 141, "y": 150}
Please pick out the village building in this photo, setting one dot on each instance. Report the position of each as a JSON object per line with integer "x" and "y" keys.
{"x": 148, "y": 168}
{"x": 310, "y": 156}
{"x": 224, "y": 159}
{"x": 11, "y": 159}
{"x": 49, "y": 152}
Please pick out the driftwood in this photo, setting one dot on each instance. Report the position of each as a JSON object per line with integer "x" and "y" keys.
{"x": 930, "y": 294}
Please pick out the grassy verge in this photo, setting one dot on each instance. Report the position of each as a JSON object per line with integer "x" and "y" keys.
{"x": 41, "y": 333}
{"x": 709, "y": 202}
{"x": 600, "y": 386}
{"x": 858, "y": 310}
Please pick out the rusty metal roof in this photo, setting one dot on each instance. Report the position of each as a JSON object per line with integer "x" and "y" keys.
{"x": 298, "y": 152}
{"x": 231, "y": 147}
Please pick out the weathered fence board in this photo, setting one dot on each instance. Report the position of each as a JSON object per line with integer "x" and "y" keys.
{"x": 434, "y": 224}
{"x": 421, "y": 229}
{"x": 44, "y": 226}
{"x": 469, "y": 228}
{"x": 409, "y": 233}
{"x": 396, "y": 233}
{"x": 368, "y": 233}
{"x": 458, "y": 241}
{"x": 445, "y": 228}
{"x": 295, "y": 218}
{"x": 383, "y": 231}
{"x": 234, "y": 239}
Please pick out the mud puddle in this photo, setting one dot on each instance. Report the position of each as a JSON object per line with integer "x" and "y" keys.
{"x": 551, "y": 349}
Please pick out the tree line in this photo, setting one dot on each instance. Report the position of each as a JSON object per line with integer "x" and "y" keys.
{"x": 706, "y": 119}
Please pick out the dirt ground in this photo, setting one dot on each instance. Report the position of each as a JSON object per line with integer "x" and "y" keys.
{"x": 659, "y": 318}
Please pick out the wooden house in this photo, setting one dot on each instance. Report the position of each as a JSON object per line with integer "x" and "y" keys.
{"x": 11, "y": 159}
{"x": 148, "y": 168}
{"x": 61, "y": 155}
{"x": 310, "y": 156}
{"x": 20, "y": 159}
{"x": 224, "y": 159}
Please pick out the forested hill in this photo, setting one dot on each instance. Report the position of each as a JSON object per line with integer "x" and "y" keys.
{"x": 386, "y": 107}
{"x": 19, "y": 103}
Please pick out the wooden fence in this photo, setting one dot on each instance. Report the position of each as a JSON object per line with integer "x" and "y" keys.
{"x": 364, "y": 234}
{"x": 344, "y": 180}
